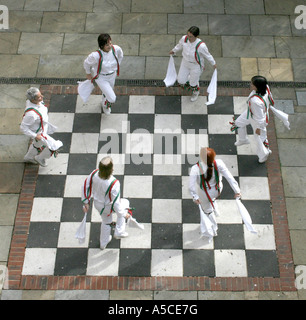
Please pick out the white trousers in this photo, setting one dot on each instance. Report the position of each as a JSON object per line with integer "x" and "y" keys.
{"x": 189, "y": 72}
{"x": 106, "y": 84}
{"x": 107, "y": 219}
{"x": 242, "y": 122}
{"x": 33, "y": 151}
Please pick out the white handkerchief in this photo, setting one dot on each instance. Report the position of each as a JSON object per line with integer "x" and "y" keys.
{"x": 212, "y": 89}
{"x": 171, "y": 75}
{"x": 282, "y": 116}
{"x": 245, "y": 216}
{"x": 85, "y": 89}
{"x": 81, "y": 232}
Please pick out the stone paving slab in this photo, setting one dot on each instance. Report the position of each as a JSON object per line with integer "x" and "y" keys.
{"x": 297, "y": 127}
{"x": 150, "y": 45}
{"x": 11, "y": 175}
{"x": 77, "y": 5}
{"x": 131, "y": 295}
{"x": 299, "y": 69}
{"x": 247, "y": 47}
{"x": 262, "y": 25}
{"x": 8, "y": 204}
{"x": 144, "y": 23}
{"x": 294, "y": 182}
{"x": 13, "y": 148}
{"x": 61, "y": 66}
{"x": 296, "y": 213}
{"x": 112, "y": 6}
{"x": 179, "y": 23}
{"x": 204, "y": 6}
{"x": 134, "y": 68}
{"x": 157, "y": 6}
{"x": 24, "y": 21}
{"x": 301, "y": 98}
{"x": 229, "y": 25}
{"x": 298, "y": 239}
{"x": 244, "y": 7}
{"x": 100, "y": 22}
{"x": 5, "y": 241}
{"x": 292, "y": 152}
{"x": 13, "y": 4}
{"x": 19, "y": 65}
{"x": 63, "y": 22}
{"x": 9, "y": 42}
{"x": 41, "y": 5}
{"x": 280, "y": 7}
{"x": 290, "y": 47}
{"x": 12, "y": 96}
{"x": 41, "y": 43}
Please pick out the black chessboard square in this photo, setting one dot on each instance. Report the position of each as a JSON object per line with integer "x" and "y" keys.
{"x": 135, "y": 262}
{"x": 262, "y": 263}
{"x": 198, "y": 263}
{"x": 63, "y": 103}
{"x": 166, "y": 236}
{"x": 222, "y": 105}
{"x": 167, "y": 187}
{"x": 87, "y": 123}
{"x": 230, "y": 236}
{"x": 168, "y": 104}
{"x": 71, "y": 261}
{"x": 50, "y": 186}
{"x": 81, "y": 163}
{"x": 43, "y": 235}
{"x": 222, "y": 143}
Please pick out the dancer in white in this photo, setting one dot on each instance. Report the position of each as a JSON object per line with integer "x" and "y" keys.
{"x": 257, "y": 114}
{"x": 103, "y": 66}
{"x": 104, "y": 188}
{"x": 205, "y": 183}
{"x": 192, "y": 65}
{"x": 36, "y": 126}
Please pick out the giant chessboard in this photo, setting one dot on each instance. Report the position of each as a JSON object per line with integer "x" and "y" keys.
{"x": 154, "y": 140}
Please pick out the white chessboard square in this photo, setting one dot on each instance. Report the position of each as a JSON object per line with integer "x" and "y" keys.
{"x": 141, "y": 104}
{"x": 167, "y": 263}
{"x": 230, "y": 263}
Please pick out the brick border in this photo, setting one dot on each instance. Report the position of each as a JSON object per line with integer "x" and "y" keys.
{"x": 286, "y": 281}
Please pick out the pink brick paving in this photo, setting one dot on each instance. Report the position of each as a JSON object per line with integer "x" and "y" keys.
{"x": 283, "y": 245}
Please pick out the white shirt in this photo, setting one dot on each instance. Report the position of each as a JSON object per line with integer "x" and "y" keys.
{"x": 189, "y": 49}
{"x": 109, "y": 63}
{"x": 31, "y": 120}
{"x": 195, "y": 180}
{"x": 258, "y": 108}
{"x": 98, "y": 191}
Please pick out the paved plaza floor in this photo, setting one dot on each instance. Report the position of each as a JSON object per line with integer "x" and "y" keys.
{"x": 45, "y": 45}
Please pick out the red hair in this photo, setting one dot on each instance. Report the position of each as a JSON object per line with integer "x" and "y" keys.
{"x": 208, "y": 156}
